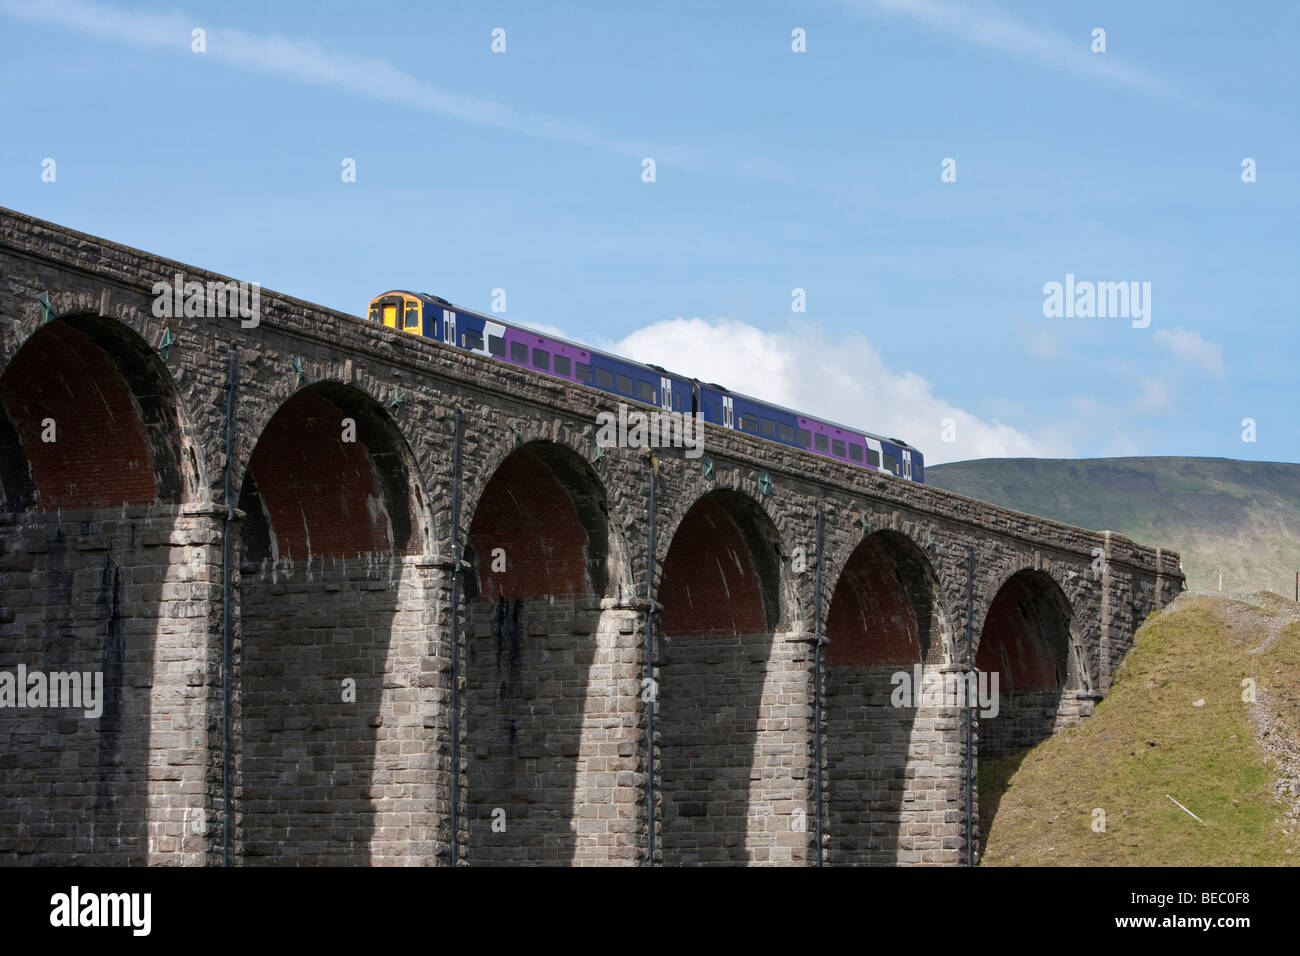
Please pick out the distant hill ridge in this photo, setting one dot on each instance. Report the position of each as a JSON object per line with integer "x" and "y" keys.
{"x": 1241, "y": 518}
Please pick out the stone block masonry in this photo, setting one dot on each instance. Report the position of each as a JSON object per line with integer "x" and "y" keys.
{"x": 364, "y": 727}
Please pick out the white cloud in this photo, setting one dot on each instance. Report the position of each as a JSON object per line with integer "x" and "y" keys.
{"x": 985, "y": 25}
{"x": 1191, "y": 347}
{"x": 844, "y": 380}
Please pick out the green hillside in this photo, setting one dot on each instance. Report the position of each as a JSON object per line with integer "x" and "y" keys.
{"x": 1175, "y": 726}
{"x": 1238, "y": 517}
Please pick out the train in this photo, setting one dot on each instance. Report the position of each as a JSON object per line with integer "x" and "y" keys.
{"x": 427, "y": 315}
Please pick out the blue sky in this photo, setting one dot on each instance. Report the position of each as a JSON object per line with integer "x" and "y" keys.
{"x": 774, "y": 170}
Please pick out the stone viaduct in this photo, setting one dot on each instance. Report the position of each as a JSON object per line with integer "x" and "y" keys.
{"x": 403, "y": 610}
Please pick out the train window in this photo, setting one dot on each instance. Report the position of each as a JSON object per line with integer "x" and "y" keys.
{"x": 855, "y": 452}
{"x": 604, "y": 378}
{"x": 412, "y": 318}
{"x": 767, "y": 427}
{"x": 717, "y": 414}
{"x": 542, "y": 359}
{"x": 584, "y": 373}
{"x": 563, "y": 366}
{"x": 891, "y": 463}
{"x": 837, "y": 449}
{"x": 519, "y": 352}
{"x": 624, "y": 386}
{"x": 644, "y": 392}
{"x": 748, "y": 423}
{"x": 821, "y": 442}
{"x": 374, "y": 313}
{"x": 785, "y": 432}
{"x": 873, "y": 458}
{"x": 805, "y": 439}
{"x": 677, "y": 401}
{"x": 497, "y": 345}
{"x": 472, "y": 340}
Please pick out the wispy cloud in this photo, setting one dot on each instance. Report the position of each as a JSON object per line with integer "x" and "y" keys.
{"x": 985, "y": 25}
{"x": 1192, "y": 348}
{"x": 1154, "y": 396}
{"x": 304, "y": 61}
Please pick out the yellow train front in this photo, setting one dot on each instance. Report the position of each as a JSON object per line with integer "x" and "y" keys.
{"x": 403, "y": 311}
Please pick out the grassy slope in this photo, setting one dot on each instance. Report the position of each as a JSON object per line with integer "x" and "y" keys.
{"x": 1241, "y": 517}
{"x": 1146, "y": 740}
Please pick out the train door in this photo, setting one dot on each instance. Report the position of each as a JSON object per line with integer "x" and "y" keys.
{"x": 392, "y": 311}
{"x": 666, "y": 393}
{"x": 728, "y": 412}
{"x": 907, "y": 464}
{"x": 449, "y": 326}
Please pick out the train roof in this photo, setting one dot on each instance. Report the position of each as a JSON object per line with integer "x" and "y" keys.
{"x": 430, "y": 298}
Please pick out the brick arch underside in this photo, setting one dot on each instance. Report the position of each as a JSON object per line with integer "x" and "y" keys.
{"x": 309, "y": 492}
{"x": 117, "y": 424}
{"x": 335, "y": 769}
{"x": 538, "y": 550}
{"x": 884, "y": 618}
{"x": 540, "y": 530}
{"x": 1025, "y": 641}
{"x": 720, "y": 596}
{"x": 85, "y": 595}
{"x": 884, "y": 607}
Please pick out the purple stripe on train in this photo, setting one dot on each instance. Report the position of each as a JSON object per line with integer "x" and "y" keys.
{"x": 849, "y": 438}
{"x": 531, "y": 340}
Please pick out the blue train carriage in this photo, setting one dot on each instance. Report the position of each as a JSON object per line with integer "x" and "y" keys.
{"x": 432, "y": 317}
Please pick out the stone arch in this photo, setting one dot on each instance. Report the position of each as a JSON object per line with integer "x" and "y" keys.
{"x": 888, "y": 631}
{"x": 544, "y": 660}
{"x": 121, "y": 432}
{"x": 721, "y": 591}
{"x": 724, "y": 543}
{"x": 570, "y": 449}
{"x": 1025, "y": 638}
{"x": 333, "y": 634}
{"x": 540, "y": 528}
{"x": 331, "y": 476}
{"x": 887, "y": 579}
